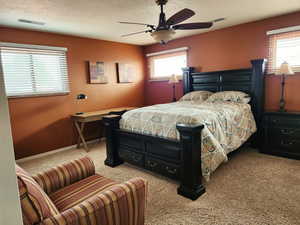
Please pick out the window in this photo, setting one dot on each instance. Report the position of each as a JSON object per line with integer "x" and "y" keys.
{"x": 284, "y": 47}
{"x": 163, "y": 64}
{"x": 31, "y": 70}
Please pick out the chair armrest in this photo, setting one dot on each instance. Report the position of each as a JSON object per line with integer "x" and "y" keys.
{"x": 63, "y": 175}
{"x": 122, "y": 204}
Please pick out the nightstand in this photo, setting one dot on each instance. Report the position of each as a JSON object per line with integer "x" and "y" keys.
{"x": 281, "y": 131}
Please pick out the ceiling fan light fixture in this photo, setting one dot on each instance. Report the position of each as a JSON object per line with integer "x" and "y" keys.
{"x": 163, "y": 36}
{"x": 165, "y": 30}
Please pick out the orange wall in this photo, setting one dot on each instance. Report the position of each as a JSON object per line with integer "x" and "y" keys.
{"x": 230, "y": 48}
{"x": 41, "y": 124}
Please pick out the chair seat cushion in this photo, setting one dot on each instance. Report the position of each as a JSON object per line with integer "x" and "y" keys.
{"x": 80, "y": 191}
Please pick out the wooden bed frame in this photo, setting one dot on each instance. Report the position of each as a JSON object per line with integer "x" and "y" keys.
{"x": 181, "y": 160}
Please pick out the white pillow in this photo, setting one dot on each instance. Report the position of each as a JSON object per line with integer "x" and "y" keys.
{"x": 232, "y": 96}
{"x": 196, "y": 96}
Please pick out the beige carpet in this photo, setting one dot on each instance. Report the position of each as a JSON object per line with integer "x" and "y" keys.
{"x": 252, "y": 188}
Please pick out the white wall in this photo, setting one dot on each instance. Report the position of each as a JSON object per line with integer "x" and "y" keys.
{"x": 10, "y": 210}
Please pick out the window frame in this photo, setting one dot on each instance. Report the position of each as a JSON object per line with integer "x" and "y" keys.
{"x": 164, "y": 54}
{"x": 59, "y": 51}
{"x": 277, "y": 35}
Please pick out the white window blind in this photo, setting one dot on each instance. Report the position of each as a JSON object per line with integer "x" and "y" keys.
{"x": 284, "y": 47}
{"x": 163, "y": 65}
{"x": 34, "y": 70}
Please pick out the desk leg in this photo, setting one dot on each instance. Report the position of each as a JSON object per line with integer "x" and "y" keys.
{"x": 79, "y": 130}
{"x": 81, "y": 138}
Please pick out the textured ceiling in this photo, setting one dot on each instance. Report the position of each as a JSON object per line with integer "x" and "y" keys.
{"x": 98, "y": 18}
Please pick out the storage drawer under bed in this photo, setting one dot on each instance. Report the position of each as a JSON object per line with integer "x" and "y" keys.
{"x": 167, "y": 169}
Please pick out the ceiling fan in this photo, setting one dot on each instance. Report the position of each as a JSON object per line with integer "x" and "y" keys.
{"x": 165, "y": 29}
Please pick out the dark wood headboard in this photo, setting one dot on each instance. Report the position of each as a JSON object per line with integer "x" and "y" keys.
{"x": 250, "y": 81}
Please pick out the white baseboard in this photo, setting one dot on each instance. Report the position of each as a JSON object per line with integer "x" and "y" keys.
{"x": 54, "y": 151}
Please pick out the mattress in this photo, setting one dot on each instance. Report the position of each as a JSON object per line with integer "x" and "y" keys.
{"x": 227, "y": 125}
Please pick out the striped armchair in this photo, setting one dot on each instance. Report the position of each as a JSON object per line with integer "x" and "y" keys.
{"x": 73, "y": 194}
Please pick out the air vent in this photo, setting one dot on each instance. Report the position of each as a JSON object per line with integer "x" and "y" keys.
{"x": 31, "y": 22}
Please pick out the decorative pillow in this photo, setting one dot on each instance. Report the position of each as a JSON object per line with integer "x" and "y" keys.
{"x": 196, "y": 96}
{"x": 35, "y": 203}
{"x": 30, "y": 214}
{"x": 233, "y": 96}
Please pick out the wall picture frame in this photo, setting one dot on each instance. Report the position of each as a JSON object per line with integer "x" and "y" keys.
{"x": 125, "y": 73}
{"x": 97, "y": 73}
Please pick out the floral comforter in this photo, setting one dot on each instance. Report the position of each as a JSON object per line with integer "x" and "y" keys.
{"x": 227, "y": 126}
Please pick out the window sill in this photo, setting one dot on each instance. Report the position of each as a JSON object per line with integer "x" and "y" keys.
{"x": 163, "y": 79}
{"x": 38, "y": 95}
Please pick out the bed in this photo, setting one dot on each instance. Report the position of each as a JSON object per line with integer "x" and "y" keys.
{"x": 179, "y": 153}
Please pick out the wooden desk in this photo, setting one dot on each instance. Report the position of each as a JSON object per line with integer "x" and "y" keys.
{"x": 81, "y": 119}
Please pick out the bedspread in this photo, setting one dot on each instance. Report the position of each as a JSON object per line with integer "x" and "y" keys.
{"x": 227, "y": 125}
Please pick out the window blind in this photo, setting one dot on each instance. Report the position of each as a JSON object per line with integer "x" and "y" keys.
{"x": 30, "y": 71}
{"x": 284, "y": 47}
{"x": 163, "y": 65}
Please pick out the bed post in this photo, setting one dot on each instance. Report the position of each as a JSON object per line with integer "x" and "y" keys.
{"x": 258, "y": 71}
{"x": 187, "y": 79}
{"x": 191, "y": 175}
{"x": 111, "y": 123}
{"x": 258, "y": 90}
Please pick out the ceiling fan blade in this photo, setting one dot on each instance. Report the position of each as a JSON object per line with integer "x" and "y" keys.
{"x": 180, "y": 16}
{"x": 218, "y": 20}
{"x": 145, "y": 24}
{"x": 126, "y": 35}
{"x": 192, "y": 26}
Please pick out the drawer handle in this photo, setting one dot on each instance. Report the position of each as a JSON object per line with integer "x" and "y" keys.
{"x": 152, "y": 164}
{"x": 274, "y": 121}
{"x": 287, "y": 143}
{"x": 286, "y": 131}
{"x": 171, "y": 170}
{"x": 136, "y": 158}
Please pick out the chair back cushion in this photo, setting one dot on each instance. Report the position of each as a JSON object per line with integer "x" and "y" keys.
{"x": 35, "y": 203}
{"x": 63, "y": 175}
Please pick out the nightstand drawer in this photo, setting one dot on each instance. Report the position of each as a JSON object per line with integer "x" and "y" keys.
{"x": 285, "y": 144}
{"x": 281, "y": 132}
{"x": 283, "y": 121}
{"x": 284, "y": 133}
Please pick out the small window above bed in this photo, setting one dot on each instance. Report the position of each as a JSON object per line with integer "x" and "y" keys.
{"x": 284, "y": 46}
{"x": 165, "y": 63}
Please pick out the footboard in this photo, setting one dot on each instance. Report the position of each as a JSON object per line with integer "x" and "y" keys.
{"x": 179, "y": 160}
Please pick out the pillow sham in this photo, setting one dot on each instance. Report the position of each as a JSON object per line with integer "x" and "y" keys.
{"x": 196, "y": 96}
{"x": 232, "y": 96}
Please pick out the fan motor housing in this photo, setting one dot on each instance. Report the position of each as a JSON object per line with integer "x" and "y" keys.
{"x": 161, "y": 2}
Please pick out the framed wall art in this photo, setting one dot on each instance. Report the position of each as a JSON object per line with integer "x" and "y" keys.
{"x": 125, "y": 73}
{"x": 97, "y": 73}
